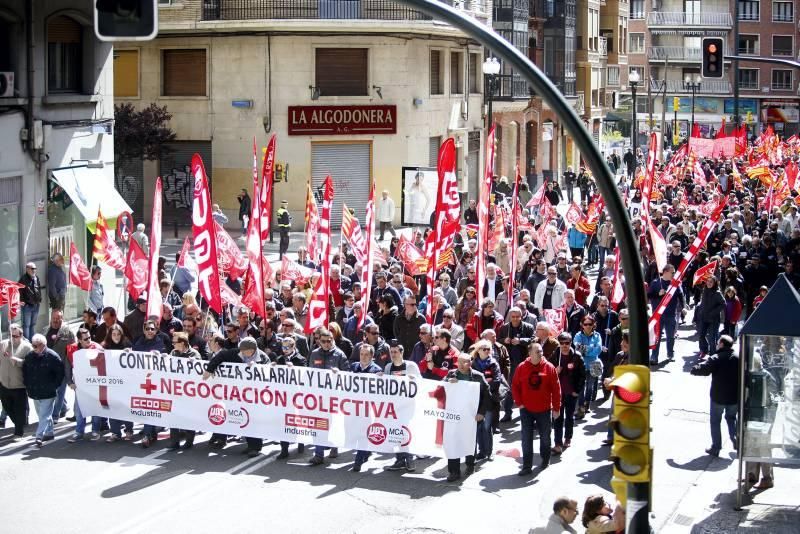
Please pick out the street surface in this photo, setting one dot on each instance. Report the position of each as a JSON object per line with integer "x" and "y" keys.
{"x": 121, "y": 487}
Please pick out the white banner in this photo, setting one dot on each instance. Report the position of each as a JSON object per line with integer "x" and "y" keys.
{"x": 295, "y": 404}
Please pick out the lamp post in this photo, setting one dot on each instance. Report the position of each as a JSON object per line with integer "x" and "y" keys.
{"x": 491, "y": 68}
{"x": 693, "y": 85}
{"x": 633, "y": 80}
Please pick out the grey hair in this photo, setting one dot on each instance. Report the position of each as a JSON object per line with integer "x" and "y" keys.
{"x": 38, "y": 339}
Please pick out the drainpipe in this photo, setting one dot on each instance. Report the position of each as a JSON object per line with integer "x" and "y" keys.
{"x": 29, "y": 80}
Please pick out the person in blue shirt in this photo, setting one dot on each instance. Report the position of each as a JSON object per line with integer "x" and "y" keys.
{"x": 365, "y": 364}
{"x": 590, "y": 345}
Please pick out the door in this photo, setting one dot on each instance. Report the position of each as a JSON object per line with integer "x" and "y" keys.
{"x": 350, "y": 167}
{"x": 177, "y": 181}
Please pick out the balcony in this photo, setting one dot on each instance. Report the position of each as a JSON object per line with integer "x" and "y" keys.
{"x": 673, "y": 53}
{"x": 511, "y": 87}
{"x": 509, "y": 10}
{"x": 580, "y": 103}
{"x": 310, "y": 9}
{"x": 706, "y": 87}
{"x": 695, "y": 20}
{"x": 602, "y": 46}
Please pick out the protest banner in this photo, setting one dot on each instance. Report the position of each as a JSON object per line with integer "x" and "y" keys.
{"x": 312, "y": 406}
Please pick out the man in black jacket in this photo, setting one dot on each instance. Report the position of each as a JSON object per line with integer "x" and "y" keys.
{"x": 515, "y": 336}
{"x": 464, "y": 371}
{"x": 724, "y": 370}
{"x": 42, "y": 374}
{"x": 30, "y": 297}
{"x": 572, "y": 376}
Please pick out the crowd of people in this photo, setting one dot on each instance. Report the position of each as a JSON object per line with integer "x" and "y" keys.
{"x": 554, "y": 372}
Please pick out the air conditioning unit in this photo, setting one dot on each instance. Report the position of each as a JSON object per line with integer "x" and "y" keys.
{"x": 6, "y": 84}
{"x": 765, "y": 89}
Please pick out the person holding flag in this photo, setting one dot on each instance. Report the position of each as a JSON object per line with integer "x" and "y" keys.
{"x": 669, "y": 319}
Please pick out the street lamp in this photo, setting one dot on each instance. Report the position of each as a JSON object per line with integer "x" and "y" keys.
{"x": 491, "y": 68}
{"x": 633, "y": 79}
{"x": 693, "y": 85}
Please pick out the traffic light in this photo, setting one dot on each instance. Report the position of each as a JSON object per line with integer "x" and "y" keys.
{"x": 712, "y": 57}
{"x": 631, "y": 423}
{"x": 676, "y": 103}
{"x": 125, "y": 20}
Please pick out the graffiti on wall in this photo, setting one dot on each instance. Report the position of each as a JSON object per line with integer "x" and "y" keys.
{"x": 179, "y": 187}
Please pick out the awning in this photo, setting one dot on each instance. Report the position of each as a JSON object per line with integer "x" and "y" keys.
{"x": 89, "y": 190}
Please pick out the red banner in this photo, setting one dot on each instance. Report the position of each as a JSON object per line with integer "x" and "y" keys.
{"x": 312, "y": 226}
{"x": 9, "y": 294}
{"x": 318, "y": 307}
{"x": 205, "y": 240}
{"x": 291, "y": 270}
{"x": 267, "y": 174}
{"x": 229, "y": 256}
{"x": 484, "y": 197}
{"x": 514, "y": 234}
{"x": 78, "y": 273}
{"x": 366, "y": 272}
{"x": 136, "y": 270}
{"x": 351, "y": 232}
{"x": 105, "y": 249}
{"x": 154, "y": 299}
{"x": 253, "y": 289}
{"x": 411, "y": 257}
{"x": 704, "y": 273}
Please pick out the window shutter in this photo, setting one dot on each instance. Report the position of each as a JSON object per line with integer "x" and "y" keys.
{"x": 63, "y": 29}
{"x": 341, "y": 71}
{"x": 436, "y": 72}
{"x": 184, "y": 72}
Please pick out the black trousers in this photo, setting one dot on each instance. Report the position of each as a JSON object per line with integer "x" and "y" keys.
{"x": 176, "y": 434}
{"x": 284, "y": 244}
{"x": 15, "y": 403}
{"x": 254, "y": 444}
{"x": 454, "y": 464}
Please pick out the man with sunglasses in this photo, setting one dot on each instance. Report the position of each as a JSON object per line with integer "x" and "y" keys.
{"x": 290, "y": 328}
{"x": 42, "y": 374}
{"x": 84, "y": 343}
{"x": 12, "y": 386}
{"x": 30, "y": 298}
{"x": 152, "y": 340}
{"x": 407, "y": 325}
{"x": 59, "y": 337}
{"x": 515, "y": 336}
{"x": 326, "y": 356}
{"x": 195, "y": 341}
{"x": 571, "y": 376}
{"x": 372, "y": 338}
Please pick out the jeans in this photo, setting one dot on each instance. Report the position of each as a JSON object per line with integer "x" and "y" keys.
{"x": 542, "y": 421}
{"x": 709, "y": 335}
{"x": 593, "y": 253}
{"x": 362, "y": 456}
{"x": 15, "y": 405}
{"x": 603, "y": 251}
{"x": 562, "y": 427}
{"x": 29, "y": 314}
{"x": 716, "y": 412}
{"x": 44, "y": 410}
{"x": 570, "y": 192}
{"x": 387, "y": 225}
{"x": 484, "y": 439}
{"x": 590, "y": 389}
{"x": 60, "y": 402}
{"x": 80, "y": 421}
{"x": 116, "y": 426}
{"x": 668, "y": 324}
{"x": 454, "y": 464}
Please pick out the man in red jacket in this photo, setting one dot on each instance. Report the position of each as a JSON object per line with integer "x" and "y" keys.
{"x": 537, "y": 391}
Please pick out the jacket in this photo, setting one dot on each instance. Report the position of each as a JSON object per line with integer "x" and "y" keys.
{"x": 574, "y": 318}
{"x": 490, "y": 369}
{"x": 479, "y": 323}
{"x": 712, "y": 305}
{"x": 524, "y": 333}
{"x": 59, "y": 342}
{"x": 69, "y": 361}
{"x": 572, "y": 376}
{"x": 386, "y": 323}
{"x": 381, "y": 351}
{"x": 576, "y": 238}
{"x": 724, "y": 370}
{"x": 536, "y": 387}
{"x": 11, "y": 366}
{"x": 328, "y": 359}
{"x": 32, "y": 292}
{"x": 42, "y": 374}
{"x": 134, "y": 323}
{"x": 385, "y": 210}
{"x": 555, "y": 525}
{"x": 557, "y": 298}
{"x": 56, "y": 282}
{"x": 442, "y": 362}
{"x": 475, "y": 376}
{"x": 581, "y": 287}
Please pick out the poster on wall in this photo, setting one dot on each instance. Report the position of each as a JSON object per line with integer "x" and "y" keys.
{"x": 419, "y": 195}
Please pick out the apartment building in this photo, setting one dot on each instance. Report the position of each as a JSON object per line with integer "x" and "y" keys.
{"x": 359, "y": 90}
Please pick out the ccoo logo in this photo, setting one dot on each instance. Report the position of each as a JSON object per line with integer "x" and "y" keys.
{"x": 216, "y": 414}
{"x": 376, "y": 433}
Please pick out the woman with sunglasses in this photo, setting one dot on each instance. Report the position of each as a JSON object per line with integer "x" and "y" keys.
{"x": 466, "y": 307}
{"x": 182, "y": 349}
{"x": 599, "y": 516}
{"x": 290, "y": 357}
{"x": 589, "y": 344}
{"x": 486, "y": 364}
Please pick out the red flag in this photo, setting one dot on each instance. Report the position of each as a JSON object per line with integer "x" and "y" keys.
{"x": 721, "y": 132}
{"x": 185, "y": 260}
{"x": 514, "y": 232}
{"x": 411, "y": 257}
{"x": 312, "y": 226}
{"x": 205, "y": 240}
{"x": 9, "y": 294}
{"x": 228, "y": 296}
{"x": 318, "y": 307}
{"x": 659, "y": 245}
{"x": 229, "y": 256}
{"x": 351, "y": 231}
{"x": 266, "y": 189}
{"x": 556, "y": 319}
{"x": 154, "y": 299}
{"x": 791, "y": 174}
{"x": 105, "y": 249}
{"x": 78, "y": 273}
{"x": 136, "y": 270}
{"x": 696, "y": 130}
{"x": 291, "y": 270}
{"x": 617, "y": 291}
{"x": 369, "y": 252}
{"x": 537, "y": 198}
{"x": 253, "y": 289}
{"x": 704, "y": 273}
{"x": 649, "y": 177}
{"x": 269, "y": 274}
{"x": 484, "y": 196}
{"x": 573, "y": 214}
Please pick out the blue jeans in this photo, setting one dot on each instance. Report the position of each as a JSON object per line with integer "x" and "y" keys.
{"x": 668, "y": 324}
{"x": 44, "y": 410}
{"x": 562, "y": 427}
{"x": 484, "y": 439}
{"x": 589, "y": 390}
{"x": 603, "y": 252}
{"x": 61, "y": 402}
{"x": 80, "y": 421}
{"x": 716, "y": 412}
{"x": 709, "y": 335}
{"x": 542, "y": 422}
{"x": 362, "y": 456}
{"x": 116, "y": 426}
{"x": 29, "y": 314}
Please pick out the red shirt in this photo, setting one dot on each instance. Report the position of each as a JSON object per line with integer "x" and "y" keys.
{"x": 536, "y": 387}
{"x": 336, "y": 285}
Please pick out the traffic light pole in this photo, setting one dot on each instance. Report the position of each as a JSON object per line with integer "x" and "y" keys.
{"x": 637, "y": 516}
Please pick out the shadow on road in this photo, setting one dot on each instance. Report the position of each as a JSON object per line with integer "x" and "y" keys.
{"x": 702, "y": 463}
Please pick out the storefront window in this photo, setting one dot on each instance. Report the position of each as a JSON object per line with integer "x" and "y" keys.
{"x": 67, "y": 225}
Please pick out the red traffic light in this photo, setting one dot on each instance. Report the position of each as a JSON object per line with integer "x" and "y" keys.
{"x": 625, "y": 395}
{"x": 712, "y": 47}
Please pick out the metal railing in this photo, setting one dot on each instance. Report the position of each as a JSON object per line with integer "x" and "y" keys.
{"x": 602, "y": 46}
{"x": 511, "y": 87}
{"x": 748, "y": 85}
{"x": 706, "y": 86}
{"x": 781, "y": 86}
{"x": 674, "y": 53}
{"x": 310, "y": 9}
{"x": 709, "y": 19}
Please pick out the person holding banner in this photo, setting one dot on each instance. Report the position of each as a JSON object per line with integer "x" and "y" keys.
{"x": 365, "y": 364}
{"x": 84, "y": 343}
{"x": 464, "y": 371}
{"x": 326, "y": 356}
{"x": 485, "y": 363}
{"x": 43, "y": 375}
{"x": 180, "y": 340}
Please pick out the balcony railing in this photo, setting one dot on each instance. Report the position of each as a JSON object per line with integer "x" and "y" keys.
{"x": 511, "y": 87}
{"x": 580, "y": 103}
{"x": 749, "y": 85}
{"x": 311, "y": 9}
{"x": 706, "y": 86}
{"x": 673, "y": 53}
{"x": 674, "y": 19}
{"x": 781, "y": 85}
{"x": 602, "y": 46}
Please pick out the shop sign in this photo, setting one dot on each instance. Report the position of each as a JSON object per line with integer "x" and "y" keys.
{"x": 342, "y": 120}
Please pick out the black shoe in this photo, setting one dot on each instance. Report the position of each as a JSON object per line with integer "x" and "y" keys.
{"x": 525, "y": 471}
{"x": 252, "y": 453}
{"x": 479, "y": 456}
{"x": 398, "y": 465}
{"x": 506, "y": 418}
{"x": 282, "y": 455}
{"x": 469, "y": 470}
{"x": 71, "y": 419}
{"x": 712, "y": 452}
{"x": 453, "y": 476}
{"x": 187, "y": 445}
{"x": 608, "y": 442}
{"x": 356, "y": 467}
{"x": 653, "y": 363}
{"x": 410, "y": 466}
{"x": 39, "y": 444}
{"x": 174, "y": 446}
{"x": 545, "y": 464}
{"x": 49, "y": 437}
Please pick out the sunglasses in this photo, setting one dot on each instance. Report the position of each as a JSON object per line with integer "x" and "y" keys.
{"x": 588, "y": 324}
{"x": 565, "y": 343}
{"x": 17, "y": 336}
{"x": 149, "y": 329}
{"x": 326, "y": 341}
{"x": 485, "y": 349}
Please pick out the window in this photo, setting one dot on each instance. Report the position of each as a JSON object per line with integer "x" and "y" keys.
{"x": 126, "y": 73}
{"x": 341, "y": 71}
{"x": 781, "y": 79}
{"x": 748, "y": 9}
{"x": 64, "y": 55}
{"x": 8, "y": 46}
{"x": 456, "y": 73}
{"x": 437, "y": 85}
{"x": 640, "y": 71}
{"x": 782, "y": 12}
{"x": 433, "y": 151}
{"x": 637, "y": 9}
{"x": 474, "y": 73}
{"x": 183, "y": 72}
{"x": 748, "y": 45}
{"x": 781, "y": 45}
{"x": 748, "y": 78}
{"x": 612, "y": 75}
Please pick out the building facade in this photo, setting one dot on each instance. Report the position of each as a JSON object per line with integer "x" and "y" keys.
{"x": 358, "y": 90}
{"x": 56, "y": 151}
